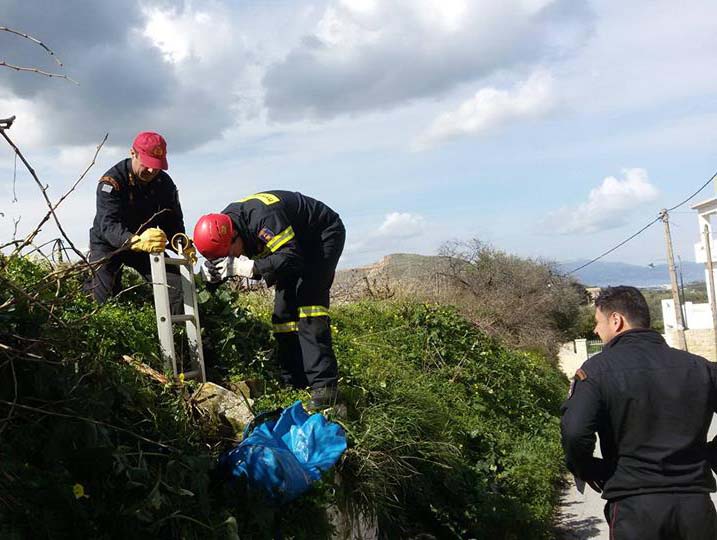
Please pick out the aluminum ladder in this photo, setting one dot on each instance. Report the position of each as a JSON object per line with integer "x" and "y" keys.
{"x": 165, "y": 319}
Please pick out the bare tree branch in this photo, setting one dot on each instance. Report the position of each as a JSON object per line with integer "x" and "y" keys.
{"x": 6, "y": 123}
{"x": 15, "y": 222}
{"x": 14, "y": 179}
{"x": 61, "y": 199}
{"x": 82, "y": 176}
{"x": 34, "y": 40}
{"x": 43, "y": 189}
{"x": 14, "y": 399}
{"x": 3, "y": 63}
{"x": 85, "y": 419}
{"x": 18, "y": 291}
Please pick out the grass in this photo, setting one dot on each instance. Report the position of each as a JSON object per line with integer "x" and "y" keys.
{"x": 450, "y": 433}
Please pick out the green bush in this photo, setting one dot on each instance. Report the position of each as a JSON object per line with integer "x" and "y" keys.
{"x": 454, "y": 434}
{"x": 450, "y": 433}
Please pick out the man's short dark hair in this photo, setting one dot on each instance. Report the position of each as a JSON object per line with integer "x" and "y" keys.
{"x": 628, "y": 301}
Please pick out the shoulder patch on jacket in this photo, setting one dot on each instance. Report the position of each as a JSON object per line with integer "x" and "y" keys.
{"x": 580, "y": 375}
{"x": 109, "y": 181}
{"x": 266, "y": 235}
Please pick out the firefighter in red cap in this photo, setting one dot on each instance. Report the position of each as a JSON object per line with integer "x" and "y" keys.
{"x": 138, "y": 209}
{"x": 293, "y": 242}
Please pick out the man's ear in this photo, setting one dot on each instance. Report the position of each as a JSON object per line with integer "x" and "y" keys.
{"x": 620, "y": 322}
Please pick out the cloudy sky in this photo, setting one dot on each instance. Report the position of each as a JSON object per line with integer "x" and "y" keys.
{"x": 548, "y": 128}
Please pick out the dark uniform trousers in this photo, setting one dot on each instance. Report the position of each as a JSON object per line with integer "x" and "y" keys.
{"x": 662, "y": 516}
{"x": 107, "y": 279}
{"x": 302, "y": 327}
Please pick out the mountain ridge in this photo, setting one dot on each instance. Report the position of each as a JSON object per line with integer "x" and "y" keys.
{"x": 602, "y": 274}
{"x": 598, "y": 274}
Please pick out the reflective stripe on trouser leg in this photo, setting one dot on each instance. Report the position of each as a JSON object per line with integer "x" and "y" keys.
{"x": 283, "y": 328}
{"x": 316, "y": 346}
{"x": 313, "y": 311}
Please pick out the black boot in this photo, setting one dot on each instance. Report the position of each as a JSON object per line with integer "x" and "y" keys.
{"x": 327, "y": 398}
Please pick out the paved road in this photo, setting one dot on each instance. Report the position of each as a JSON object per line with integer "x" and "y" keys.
{"x": 581, "y": 514}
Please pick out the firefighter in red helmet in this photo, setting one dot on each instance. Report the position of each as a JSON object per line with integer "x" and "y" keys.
{"x": 294, "y": 243}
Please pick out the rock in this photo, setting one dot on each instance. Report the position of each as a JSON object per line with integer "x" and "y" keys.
{"x": 240, "y": 389}
{"x": 224, "y": 405}
{"x": 352, "y": 527}
{"x": 257, "y": 387}
{"x": 351, "y": 523}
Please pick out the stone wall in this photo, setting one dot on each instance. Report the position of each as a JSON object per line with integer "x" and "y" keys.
{"x": 699, "y": 341}
{"x": 572, "y": 355}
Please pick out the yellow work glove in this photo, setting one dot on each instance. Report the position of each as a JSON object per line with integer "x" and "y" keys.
{"x": 152, "y": 240}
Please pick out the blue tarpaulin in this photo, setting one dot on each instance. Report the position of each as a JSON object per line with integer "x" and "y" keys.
{"x": 284, "y": 457}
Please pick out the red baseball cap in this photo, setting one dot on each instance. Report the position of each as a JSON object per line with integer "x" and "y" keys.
{"x": 152, "y": 150}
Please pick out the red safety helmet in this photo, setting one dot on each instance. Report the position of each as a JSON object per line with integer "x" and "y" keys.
{"x": 213, "y": 234}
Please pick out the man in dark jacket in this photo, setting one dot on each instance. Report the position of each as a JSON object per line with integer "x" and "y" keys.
{"x": 294, "y": 242}
{"x": 652, "y": 406}
{"x": 138, "y": 209}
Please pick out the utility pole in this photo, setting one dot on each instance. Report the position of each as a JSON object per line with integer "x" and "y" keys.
{"x": 711, "y": 283}
{"x": 681, "y": 342}
{"x": 683, "y": 298}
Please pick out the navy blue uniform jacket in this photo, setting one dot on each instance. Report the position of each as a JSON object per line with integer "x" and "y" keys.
{"x": 652, "y": 406}
{"x": 125, "y": 203}
{"x": 285, "y": 232}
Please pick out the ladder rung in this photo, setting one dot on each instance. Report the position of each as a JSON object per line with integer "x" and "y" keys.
{"x": 176, "y": 261}
{"x": 194, "y": 374}
{"x": 182, "y": 318}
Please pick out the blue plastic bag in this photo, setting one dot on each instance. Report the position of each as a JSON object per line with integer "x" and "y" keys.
{"x": 284, "y": 457}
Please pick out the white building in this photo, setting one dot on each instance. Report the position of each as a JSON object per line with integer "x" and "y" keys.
{"x": 700, "y": 333}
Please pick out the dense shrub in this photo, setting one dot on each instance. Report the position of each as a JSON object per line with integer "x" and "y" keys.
{"x": 450, "y": 433}
{"x": 454, "y": 434}
{"x": 526, "y": 302}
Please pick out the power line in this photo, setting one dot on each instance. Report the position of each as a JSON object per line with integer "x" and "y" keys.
{"x": 694, "y": 194}
{"x": 650, "y": 224}
{"x": 617, "y": 246}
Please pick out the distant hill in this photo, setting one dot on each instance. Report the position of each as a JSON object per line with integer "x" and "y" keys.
{"x": 413, "y": 270}
{"x": 602, "y": 274}
{"x": 413, "y": 273}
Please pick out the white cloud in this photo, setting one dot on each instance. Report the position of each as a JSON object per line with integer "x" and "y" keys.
{"x": 78, "y": 158}
{"x": 608, "y": 205}
{"x": 363, "y": 56}
{"x": 401, "y": 225}
{"x": 26, "y": 130}
{"x": 623, "y": 67}
{"x": 174, "y": 71}
{"x": 188, "y": 34}
{"x": 399, "y": 231}
{"x": 490, "y": 108}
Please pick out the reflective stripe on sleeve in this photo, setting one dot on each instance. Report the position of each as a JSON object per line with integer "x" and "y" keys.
{"x": 280, "y": 239}
{"x": 313, "y": 311}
